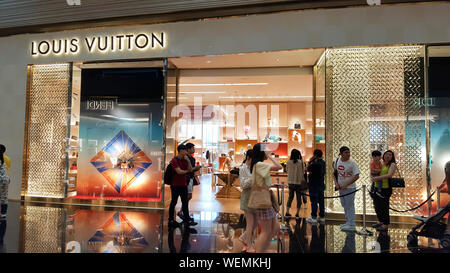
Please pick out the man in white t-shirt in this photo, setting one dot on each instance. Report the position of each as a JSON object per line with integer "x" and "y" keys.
{"x": 347, "y": 174}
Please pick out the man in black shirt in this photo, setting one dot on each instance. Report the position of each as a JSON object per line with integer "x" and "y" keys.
{"x": 316, "y": 169}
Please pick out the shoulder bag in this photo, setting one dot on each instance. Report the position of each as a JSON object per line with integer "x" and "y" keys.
{"x": 260, "y": 196}
{"x": 275, "y": 204}
{"x": 397, "y": 182}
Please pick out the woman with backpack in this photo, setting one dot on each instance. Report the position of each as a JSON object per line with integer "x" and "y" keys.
{"x": 4, "y": 183}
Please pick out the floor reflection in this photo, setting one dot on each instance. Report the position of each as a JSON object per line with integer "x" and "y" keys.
{"x": 48, "y": 229}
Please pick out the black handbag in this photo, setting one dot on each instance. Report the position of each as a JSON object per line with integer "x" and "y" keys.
{"x": 234, "y": 171}
{"x": 397, "y": 182}
{"x": 335, "y": 172}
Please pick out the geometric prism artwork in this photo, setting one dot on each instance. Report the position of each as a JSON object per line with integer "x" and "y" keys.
{"x": 121, "y": 162}
{"x": 118, "y": 235}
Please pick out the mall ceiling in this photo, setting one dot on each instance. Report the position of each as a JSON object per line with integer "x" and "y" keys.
{"x": 25, "y": 16}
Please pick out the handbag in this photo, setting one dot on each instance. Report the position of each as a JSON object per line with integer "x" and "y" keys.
{"x": 235, "y": 170}
{"x": 196, "y": 181}
{"x": 260, "y": 196}
{"x": 304, "y": 183}
{"x": 275, "y": 204}
{"x": 398, "y": 182}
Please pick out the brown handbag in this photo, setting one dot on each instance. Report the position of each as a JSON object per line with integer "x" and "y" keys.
{"x": 260, "y": 196}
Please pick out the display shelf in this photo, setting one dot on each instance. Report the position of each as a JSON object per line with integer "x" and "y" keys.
{"x": 263, "y": 127}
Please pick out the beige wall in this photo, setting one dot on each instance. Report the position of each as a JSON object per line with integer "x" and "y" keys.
{"x": 376, "y": 25}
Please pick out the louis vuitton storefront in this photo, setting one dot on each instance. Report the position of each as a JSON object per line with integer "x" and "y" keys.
{"x": 98, "y": 104}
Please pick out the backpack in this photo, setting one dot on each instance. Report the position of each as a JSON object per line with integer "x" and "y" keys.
{"x": 168, "y": 175}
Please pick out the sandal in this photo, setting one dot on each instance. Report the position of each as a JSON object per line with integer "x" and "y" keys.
{"x": 381, "y": 228}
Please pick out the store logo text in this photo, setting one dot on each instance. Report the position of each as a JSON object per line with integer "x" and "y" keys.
{"x": 103, "y": 44}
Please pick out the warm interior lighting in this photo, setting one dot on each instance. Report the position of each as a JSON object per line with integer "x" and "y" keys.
{"x": 265, "y": 97}
{"x": 204, "y": 92}
{"x": 220, "y": 84}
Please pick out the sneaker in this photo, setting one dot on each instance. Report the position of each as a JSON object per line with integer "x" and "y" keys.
{"x": 193, "y": 231}
{"x": 311, "y": 220}
{"x": 297, "y": 216}
{"x": 244, "y": 249}
{"x": 190, "y": 222}
{"x": 377, "y": 225}
{"x": 346, "y": 227}
{"x": 287, "y": 216}
{"x": 181, "y": 215}
{"x": 2, "y": 215}
{"x": 321, "y": 220}
{"x": 173, "y": 224}
{"x": 381, "y": 228}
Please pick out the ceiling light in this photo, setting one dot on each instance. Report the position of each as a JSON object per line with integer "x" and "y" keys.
{"x": 220, "y": 84}
{"x": 204, "y": 92}
{"x": 265, "y": 97}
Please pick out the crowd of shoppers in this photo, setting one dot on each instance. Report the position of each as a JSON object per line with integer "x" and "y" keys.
{"x": 255, "y": 180}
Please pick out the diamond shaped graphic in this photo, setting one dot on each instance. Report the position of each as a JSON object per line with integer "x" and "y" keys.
{"x": 118, "y": 235}
{"x": 121, "y": 162}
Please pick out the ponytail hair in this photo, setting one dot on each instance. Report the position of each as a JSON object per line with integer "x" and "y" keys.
{"x": 248, "y": 156}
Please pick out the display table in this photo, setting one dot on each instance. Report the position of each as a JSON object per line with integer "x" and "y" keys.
{"x": 228, "y": 190}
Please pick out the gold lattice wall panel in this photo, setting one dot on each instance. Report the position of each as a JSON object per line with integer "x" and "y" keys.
{"x": 371, "y": 96}
{"x": 42, "y": 229}
{"x": 47, "y": 129}
{"x": 345, "y": 242}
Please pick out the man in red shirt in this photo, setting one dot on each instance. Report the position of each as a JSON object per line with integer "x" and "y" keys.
{"x": 181, "y": 167}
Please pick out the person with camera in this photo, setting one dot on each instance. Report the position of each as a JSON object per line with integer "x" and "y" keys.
{"x": 266, "y": 217}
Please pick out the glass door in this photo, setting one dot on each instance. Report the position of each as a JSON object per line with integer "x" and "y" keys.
{"x": 438, "y": 103}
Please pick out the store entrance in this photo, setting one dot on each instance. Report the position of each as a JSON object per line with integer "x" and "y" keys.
{"x": 226, "y": 104}
{"x": 116, "y": 132}
{"x": 438, "y": 103}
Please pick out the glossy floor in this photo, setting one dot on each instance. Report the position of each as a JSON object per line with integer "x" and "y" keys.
{"x": 49, "y": 229}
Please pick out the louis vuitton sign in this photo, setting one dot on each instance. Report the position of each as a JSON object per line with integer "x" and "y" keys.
{"x": 96, "y": 44}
